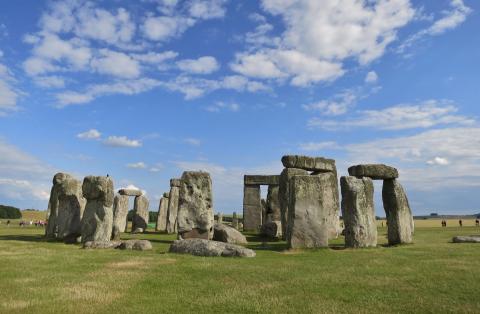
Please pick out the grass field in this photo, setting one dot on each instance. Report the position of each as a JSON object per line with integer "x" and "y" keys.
{"x": 430, "y": 276}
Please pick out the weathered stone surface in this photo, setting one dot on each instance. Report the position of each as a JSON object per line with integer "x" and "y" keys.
{"x": 138, "y": 230}
{"x": 140, "y": 213}
{"x": 273, "y": 204}
{"x": 101, "y": 244}
{"x": 466, "y": 239}
{"x": 252, "y": 208}
{"x": 261, "y": 179}
{"x": 224, "y": 233}
{"x": 272, "y": 230}
{"x": 263, "y": 202}
{"x": 97, "y": 221}
{"x": 219, "y": 218}
{"x": 175, "y": 182}
{"x": 202, "y": 247}
{"x": 284, "y": 194}
{"x": 235, "y": 221}
{"x": 318, "y": 164}
{"x": 195, "y": 206}
{"x": 373, "y": 171}
{"x": 399, "y": 215}
{"x": 130, "y": 192}
{"x": 115, "y": 233}
{"x": 137, "y": 245}
{"x": 166, "y": 194}
{"x": 162, "y": 214}
{"x": 313, "y": 203}
{"x": 358, "y": 212}
{"x": 120, "y": 212}
{"x": 173, "y": 206}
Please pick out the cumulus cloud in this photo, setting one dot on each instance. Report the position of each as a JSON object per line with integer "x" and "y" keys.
{"x": 90, "y": 134}
{"x": 51, "y": 81}
{"x": 163, "y": 28}
{"x": 207, "y": 9}
{"x": 137, "y": 165}
{"x": 438, "y": 161}
{"x": 202, "y": 65}
{"x": 121, "y": 141}
{"x": 339, "y": 105}
{"x": 371, "y": 77}
{"x": 9, "y": 95}
{"x": 116, "y": 64}
{"x": 220, "y": 106}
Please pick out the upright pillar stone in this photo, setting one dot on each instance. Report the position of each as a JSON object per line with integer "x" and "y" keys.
{"x": 273, "y": 204}
{"x": 220, "y": 218}
{"x": 140, "y": 214}
{"x": 51, "y": 231}
{"x": 310, "y": 207}
{"x": 120, "y": 213}
{"x": 71, "y": 205}
{"x": 334, "y": 214}
{"x": 252, "y": 208}
{"x": 97, "y": 221}
{"x": 399, "y": 215}
{"x": 235, "y": 221}
{"x": 284, "y": 194}
{"x": 162, "y": 213}
{"x": 195, "y": 206}
{"x": 173, "y": 205}
{"x": 358, "y": 212}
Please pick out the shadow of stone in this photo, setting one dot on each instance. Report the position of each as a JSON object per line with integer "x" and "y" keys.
{"x": 26, "y": 238}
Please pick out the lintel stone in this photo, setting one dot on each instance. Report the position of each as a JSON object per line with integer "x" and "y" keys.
{"x": 261, "y": 179}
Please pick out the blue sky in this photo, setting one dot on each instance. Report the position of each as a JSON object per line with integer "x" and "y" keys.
{"x": 143, "y": 90}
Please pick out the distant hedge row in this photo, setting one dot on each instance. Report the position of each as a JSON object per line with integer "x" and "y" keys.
{"x": 9, "y": 212}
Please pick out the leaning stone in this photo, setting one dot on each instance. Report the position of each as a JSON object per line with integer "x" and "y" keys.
{"x": 466, "y": 239}
{"x": 97, "y": 221}
{"x": 120, "y": 212}
{"x": 373, "y": 171}
{"x": 162, "y": 214}
{"x": 172, "y": 213}
{"x": 313, "y": 202}
{"x": 318, "y": 164}
{"x": 358, "y": 212}
{"x": 140, "y": 213}
{"x": 224, "y": 233}
{"x": 272, "y": 230}
{"x": 399, "y": 215}
{"x": 101, "y": 244}
{"x": 130, "y": 192}
{"x": 202, "y": 247}
{"x": 138, "y": 245}
{"x": 195, "y": 210}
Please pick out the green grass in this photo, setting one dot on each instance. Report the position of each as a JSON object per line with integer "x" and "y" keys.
{"x": 430, "y": 276}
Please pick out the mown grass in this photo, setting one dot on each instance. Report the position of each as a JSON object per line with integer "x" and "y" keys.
{"x": 431, "y": 276}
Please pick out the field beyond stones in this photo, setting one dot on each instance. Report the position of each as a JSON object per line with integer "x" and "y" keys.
{"x": 431, "y": 276}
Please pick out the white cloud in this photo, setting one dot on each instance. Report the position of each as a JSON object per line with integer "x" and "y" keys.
{"x": 137, "y": 165}
{"x": 121, "y": 141}
{"x": 157, "y": 58}
{"x": 156, "y": 168}
{"x": 50, "y": 81}
{"x": 116, "y": 64}
{"x": 202, "y": 65}
{"x": 318, "y": 146}
{"x": 220, "y": 105}
{"x": 90, "y": 134}
{"x": 8, "y": 93}
{"x": 207, "y": 9}
{"x": 340, "y": 104}
{"x": 424, "y": 115}
{"x": 371, "y": 77}
{"x": 438, "y": 161}
{"x": 163, "y": 28}
{"x": 193, "y": 141}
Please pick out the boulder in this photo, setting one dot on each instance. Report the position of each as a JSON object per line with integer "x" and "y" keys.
{"x": 195, "y": 207}
{"x": 120, "y": 212}
{"x": 312, "y": 207}
{"x": 358, "y": 212}
{"x": 101, "y": 244}
{"x": 173, "y": 205}
{"x": 399, "y": 215}
{"x": 162, "y": 214}
{"x": 140, "y": 213}
{"x": 227, "y": 234}
{"x": 137, "y": 245}
{"x": 97, "y": 221}
{"x": 272, "y": 230}
{"x": 130, "y": 192}
{"x": 252, "y": 207}
{"x": 466, "y": 239}
{"x": 284, "y": 194}
{"x": 373, "y": 171}
{"x": 138, "y": 230}
{"x": 202, "y": 247}
{"x": 318, "y": 164}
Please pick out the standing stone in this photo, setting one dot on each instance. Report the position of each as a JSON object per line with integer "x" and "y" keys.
{"x": 399, "y": 214}
{"x": 195, "y": 206}
{"x": 334, "y": 215}
{"x": 264, "y": 210}
{"x": 273, "y": 204}
{"x": 311, "y": 205}
{"x": 51, "y": 231}
{"x": 120, "y": 213}
{"x": 97, "y": 221}
{"x": 252, "y": 208}
{"x": 358, "y": 212}
{"x": 284, "y": 194}
{"x": 140, "y": 214}
{"x": 235, "y": 221}
{"x": 162, "y": 213}
{"x": 173, "y": 205}
{"x": 220, "y": 218}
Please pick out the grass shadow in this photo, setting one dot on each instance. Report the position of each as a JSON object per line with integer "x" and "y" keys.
{"x": 25, "y": 238}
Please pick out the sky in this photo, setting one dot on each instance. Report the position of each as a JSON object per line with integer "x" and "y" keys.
{"x": 144, "y": 90}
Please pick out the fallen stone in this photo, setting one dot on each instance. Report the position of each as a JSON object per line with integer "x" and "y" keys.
{"x": 466, "y": 239}
{"x": 130, "y": 192}
{"x": 399, "y": 215}
{"x": 101, "y": 244}
{"x": 358, "y": 212}
{"x": 162, "y": 213}
{"x": 120, "y": 212}
{"x": 202, "y": 247}
{"x": 137, "y": 245}
{"x": 140, "y": 213}
{"x": 195, "y": 210}
{"x": 373, "y": 171}
{"x": 261, "y": 179}
{"x": 224, "y": 233}
{"x": 318, "y": 164}
{"x": 272, "y": 230}
{"x": 97, "y": 221}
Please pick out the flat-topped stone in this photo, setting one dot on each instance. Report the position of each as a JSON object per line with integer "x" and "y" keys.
{"x": 373, "y": 171}
{"x": 202, "y": 247}
{"x": 318, "y": 164}
{"x": 466, "y": 239}
{"x": 130, "y": 192}
{"x": 175, "y": 182}
{"x": 261, "y": 179}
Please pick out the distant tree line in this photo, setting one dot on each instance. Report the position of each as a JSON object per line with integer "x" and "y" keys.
{"x": 10, "y": 212}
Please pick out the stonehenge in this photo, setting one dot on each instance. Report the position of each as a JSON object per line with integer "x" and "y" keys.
{"x": 140, "y": 214}
{"x": 162, "y": 213}
{"x": 373, "y": 171}
{"x": 252, "y": 203}
{"x": 173, "y": 205}
{"x": 399, "y": 214}
{"x": 195, "y": 218}
{"x": 120, "y": 212}
{"x": 202, "y": 247}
